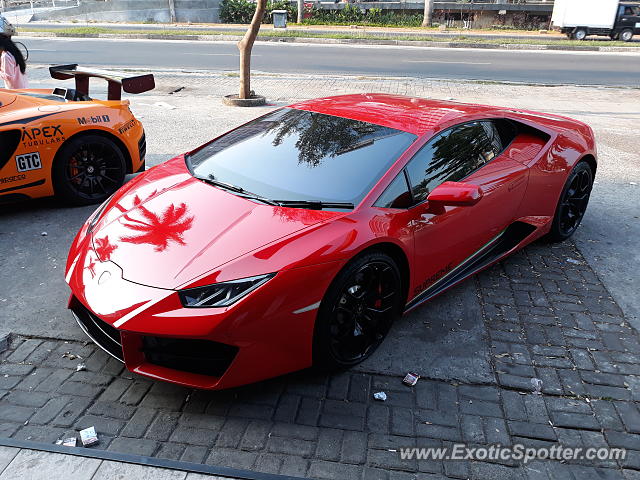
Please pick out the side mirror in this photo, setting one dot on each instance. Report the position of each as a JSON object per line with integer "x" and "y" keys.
{"x": 455, "y": 194}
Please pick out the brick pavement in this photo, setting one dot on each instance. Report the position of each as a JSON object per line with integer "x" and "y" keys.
{"x": 546, "y": 315}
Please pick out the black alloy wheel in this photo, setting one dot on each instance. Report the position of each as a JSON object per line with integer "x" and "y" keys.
{"x": 88, "y": 169}
{"x": 358, "y": 310}
{"x": 573, "y": 202}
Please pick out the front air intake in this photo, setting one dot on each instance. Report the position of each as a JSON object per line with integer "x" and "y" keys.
{"x": 9, "y": 141}
{"x": 203, "y": 357}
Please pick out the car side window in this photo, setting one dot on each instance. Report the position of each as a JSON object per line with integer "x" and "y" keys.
{"x": 396, "y": 195}
{"x": 495, "y": 139}
{"x": 451, "y": 156}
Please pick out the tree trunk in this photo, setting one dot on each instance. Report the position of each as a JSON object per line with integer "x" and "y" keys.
{"x": 428, "y": 13}
{"x": 172, "y": 11}
{"x": 300, "y": 10}
{"x": 245, "y": 45}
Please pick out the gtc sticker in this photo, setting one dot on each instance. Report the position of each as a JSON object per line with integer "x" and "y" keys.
{"x": 28, "y": 161}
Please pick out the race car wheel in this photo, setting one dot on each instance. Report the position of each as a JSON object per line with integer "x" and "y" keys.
{"x": 88, "y": 169}
{"x": 573, "y": 203}
{"x": 363, "y": 301}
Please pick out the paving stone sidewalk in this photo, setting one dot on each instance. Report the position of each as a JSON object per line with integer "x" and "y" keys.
{"x": 25, "y": 464}
{"x": 545, "y": 314}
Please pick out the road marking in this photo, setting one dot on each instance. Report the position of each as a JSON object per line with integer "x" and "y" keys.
{"x": 444, "y": 61}
{"x": 213, "y": 54}
{"x": 219, "y": 54}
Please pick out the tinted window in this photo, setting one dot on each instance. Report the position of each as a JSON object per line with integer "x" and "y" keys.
{"x": 494, "y": 138}
{"x": 450, "y": 156}
{"x": 396, "y": 195}
{"x": 293, "y": 154}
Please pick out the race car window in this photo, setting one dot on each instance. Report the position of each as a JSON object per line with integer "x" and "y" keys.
{"x": 295, "y": 155}
{"x": 450, "y": 156}
{"x": 396, "y": 195}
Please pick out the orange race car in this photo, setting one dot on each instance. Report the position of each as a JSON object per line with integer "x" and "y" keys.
{"x": 62, "y": 142}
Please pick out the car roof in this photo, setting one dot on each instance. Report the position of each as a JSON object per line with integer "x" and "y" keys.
{"x": 409, "y": 114}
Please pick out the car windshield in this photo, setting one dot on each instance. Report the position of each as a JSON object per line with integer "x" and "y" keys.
{"x": 295, "y": 155}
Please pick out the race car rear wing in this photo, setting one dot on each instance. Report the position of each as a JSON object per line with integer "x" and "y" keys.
{"x": 117, "y": 82}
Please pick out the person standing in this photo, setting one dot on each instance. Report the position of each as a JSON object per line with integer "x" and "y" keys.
{"x": 13, "y": 68}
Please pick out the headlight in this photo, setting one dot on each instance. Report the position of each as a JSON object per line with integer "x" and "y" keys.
{"x": 222, "y": 294}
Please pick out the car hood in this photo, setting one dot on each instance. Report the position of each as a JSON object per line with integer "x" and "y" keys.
{"x": 168, "y": 230}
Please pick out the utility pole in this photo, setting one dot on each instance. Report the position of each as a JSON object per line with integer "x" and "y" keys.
{"x": 300, "y": 10}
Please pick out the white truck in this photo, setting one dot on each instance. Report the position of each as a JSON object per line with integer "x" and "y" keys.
{"x": 612, "y": 18}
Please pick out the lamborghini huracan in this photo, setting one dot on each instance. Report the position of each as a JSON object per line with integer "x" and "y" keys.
{"x": 298, "y": 238}
{"x": 62, "y": 142}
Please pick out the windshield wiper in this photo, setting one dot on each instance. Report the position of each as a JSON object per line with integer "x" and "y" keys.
{"x": 227, "y": 186}
{"x": 313, "y": 204}
{"x": 239, "y": 191}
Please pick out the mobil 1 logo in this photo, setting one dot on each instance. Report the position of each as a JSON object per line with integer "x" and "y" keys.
{"x": 28, "y": 161}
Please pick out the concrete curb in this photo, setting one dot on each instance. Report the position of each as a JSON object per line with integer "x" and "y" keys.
{"x": 336, "y": 41}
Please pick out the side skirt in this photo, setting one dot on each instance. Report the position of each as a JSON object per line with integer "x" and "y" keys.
{"x": 492, "y": 251}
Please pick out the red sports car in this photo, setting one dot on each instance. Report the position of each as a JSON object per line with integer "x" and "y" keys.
{"x": 299, "y": 237}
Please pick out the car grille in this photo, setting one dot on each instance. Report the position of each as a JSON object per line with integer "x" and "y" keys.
{"x": 195, "y": 356}
{"x": 103, "y": 334}
{"x": 142, "y": 146}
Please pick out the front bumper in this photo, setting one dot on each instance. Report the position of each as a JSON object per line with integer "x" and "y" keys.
{"x": 266, "y": 334}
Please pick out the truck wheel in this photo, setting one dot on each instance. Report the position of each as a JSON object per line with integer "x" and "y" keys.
{"x": 580, "y": 34}
{"x": 626, "y": 35}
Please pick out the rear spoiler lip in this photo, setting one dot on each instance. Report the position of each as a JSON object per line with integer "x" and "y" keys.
{"x": 117, "y": 82}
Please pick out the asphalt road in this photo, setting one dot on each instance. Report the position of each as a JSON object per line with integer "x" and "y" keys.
{"x": 544, "y": 67}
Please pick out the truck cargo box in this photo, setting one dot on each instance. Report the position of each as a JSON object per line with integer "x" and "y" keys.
{"x": 585, "y": 13}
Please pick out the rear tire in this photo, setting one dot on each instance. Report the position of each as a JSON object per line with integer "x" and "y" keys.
{"x": 573, "y": 203}
{"x": 357, "y": 311}
{"x": 88, "y": 169}
{"x": 626, "y": 35}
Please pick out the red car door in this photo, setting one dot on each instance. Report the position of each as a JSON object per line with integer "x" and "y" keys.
{"x": 445, "y": 237}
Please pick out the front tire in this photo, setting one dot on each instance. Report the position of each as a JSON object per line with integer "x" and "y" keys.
{"x": 88, "y": 169}
{"x": 357, "y": 311}
{"x": 573, "y": 203}
{"x": 626, "y": 35}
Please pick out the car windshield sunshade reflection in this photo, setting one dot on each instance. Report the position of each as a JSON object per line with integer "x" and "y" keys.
{"x": 302, "y": 159}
